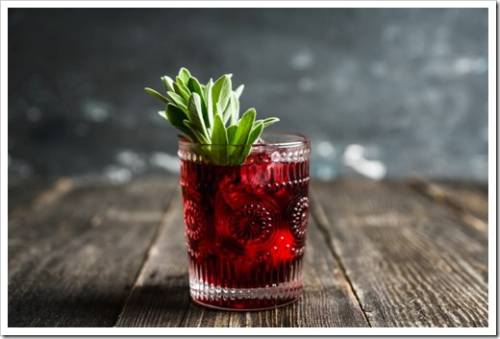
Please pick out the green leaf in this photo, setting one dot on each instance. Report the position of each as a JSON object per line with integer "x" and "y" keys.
{"x": 195, "y": 87}
{"x": 252, "y": 137}
{"x": 199, "y": 137}
{"x": 219, "y": 134}
{"x": 236, "y": 108}
{"x": 156, "y": 94}
{"x": 182, "y": 90}
{"x": 240, "y": 156}
{"x": 244, "y": 127}
{"x": 239, "y": 90}
{"x": 168, "y": 83}
{"x": 184, "y": 75}
{"x": 220, "y": 93}
{"x": 200, "y": 112}
{"x": 176, "y": 117}
{"x": 231, "y": 130}
{"x": 268, "y": 121}
{"x": 219, "y": 141}
{"x": 255, "y": 133}
{"x": 177, "y": 100}
{"x": 231, "y": 110}
{"x": 224, "y": 95}
{"x": 208, "y": 102}
{"x": 195, "y": 114}
{"x": 240, "y": 136}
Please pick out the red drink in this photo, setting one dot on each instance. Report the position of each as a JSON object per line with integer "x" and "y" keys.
{"x": 246, "y": 224}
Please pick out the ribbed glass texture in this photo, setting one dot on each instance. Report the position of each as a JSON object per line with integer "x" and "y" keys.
{"x": 245, "y": 225}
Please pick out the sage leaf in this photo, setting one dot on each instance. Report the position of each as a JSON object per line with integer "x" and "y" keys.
{"x": 244, "y": 127}
{"x": 199, "y": 137}
{"x": 231, "y": 130}
{"x": 201, "y": 112}
{"x": 176, "y": 117}
{"x": 195, "y": 114}
{"x": 220, "y": 94}
{"x": 255, "y": 133}
{"x": 181, "y": 89}
{"x": 236, "y": 108}
{"x": 219, "y": 133}
{"x": 168, "y": 83}
{"x": 268, "y": 121}
{"x": 156, "y": 94}
{"x": 184, "y": 75}
{"x": 219, "y": 140}
{"x": 232, "y": 110}
{"x": 240, "y": 157}
{"x": 239, "y": 90}
{"x": 195, "y": 87}
{"x": 208, "y": 102}
{"x": 224, "y": 94}
{"x": 177, "y": 100}
{"x": 240, "y": 136}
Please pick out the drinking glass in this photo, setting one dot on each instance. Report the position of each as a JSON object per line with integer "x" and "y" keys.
{"x": 245, "y": 225}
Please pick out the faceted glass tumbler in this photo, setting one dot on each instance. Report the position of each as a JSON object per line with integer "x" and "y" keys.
{"x": 245, "y": 225}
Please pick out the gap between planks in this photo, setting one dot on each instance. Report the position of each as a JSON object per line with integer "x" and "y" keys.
{"x": 319, "y": 216}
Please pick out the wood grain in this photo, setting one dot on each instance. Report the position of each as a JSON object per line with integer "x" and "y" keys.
{"x": 470, "y": 201}
{"x": 160, "y": 297}
{"x": 378, "y": 254}
{"x": 411, "y": 262}
{"x": 73, "y": 260}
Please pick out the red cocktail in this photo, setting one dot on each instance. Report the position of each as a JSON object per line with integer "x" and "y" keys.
{"x": 246, "y": 224}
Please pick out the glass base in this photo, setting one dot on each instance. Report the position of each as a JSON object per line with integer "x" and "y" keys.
{"x": 244, "y": 307}
{"x": 244, "y": 299}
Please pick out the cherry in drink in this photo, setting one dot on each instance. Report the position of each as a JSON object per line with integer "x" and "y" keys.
{"x": 246, "y": 224}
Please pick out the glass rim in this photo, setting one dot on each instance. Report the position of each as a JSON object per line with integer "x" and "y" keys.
{"x": 300, "y": 140}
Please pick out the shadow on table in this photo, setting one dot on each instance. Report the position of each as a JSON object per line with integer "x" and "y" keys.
{"x": 76, "y": 306}
{"x": 87, "y": 305}
{"x": 162, "y": 303}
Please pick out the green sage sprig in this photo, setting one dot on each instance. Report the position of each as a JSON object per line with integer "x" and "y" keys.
{"x": 209, "y": 115}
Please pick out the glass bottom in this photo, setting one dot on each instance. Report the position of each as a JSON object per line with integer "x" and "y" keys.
{"x": 244, "y": 299}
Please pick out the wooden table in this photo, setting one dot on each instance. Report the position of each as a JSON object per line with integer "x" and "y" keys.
{"x": 407, "y": 253}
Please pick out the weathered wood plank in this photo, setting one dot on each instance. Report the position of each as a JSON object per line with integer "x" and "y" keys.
{"x": 471, "y": 197}
{"x": 411, "y": 262}
{"x": 469, "y": 200}
{"x": 73, "y": 259}
{"x": 23, "y": 193}
{"x": 161, "y": 297}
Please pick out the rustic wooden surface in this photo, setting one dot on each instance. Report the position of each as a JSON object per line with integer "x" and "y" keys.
{"x": 407, "y": 253}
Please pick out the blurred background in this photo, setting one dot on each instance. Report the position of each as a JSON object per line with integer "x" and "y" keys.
{"x": 382, "y": 93}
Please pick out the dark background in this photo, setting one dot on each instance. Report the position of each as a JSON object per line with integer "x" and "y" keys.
{"x": 381, "y": 92}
